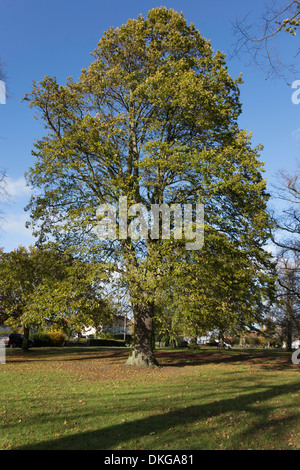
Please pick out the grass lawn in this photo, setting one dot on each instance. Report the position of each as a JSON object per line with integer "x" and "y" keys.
{"x": 86, "y": 398}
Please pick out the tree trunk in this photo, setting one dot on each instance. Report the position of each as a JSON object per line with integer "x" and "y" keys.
{"x": 142, "y": 354}
{"x": 289, "y": 324}
{"x": 289, "y": 338}
{"x": 221, "y": 341}
{"x": 25, "y": 339}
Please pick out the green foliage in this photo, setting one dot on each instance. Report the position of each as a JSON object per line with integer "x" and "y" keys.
{"x": 170, "y": 339}
{"x": 48, "y": 339}
{"x": 42, "y": 285}
{"x": 57, "y": 338}
{"x": 154, "y": 118}
{"x": 290, "y": 25}
{"x": 41, "y": 340}
{"x": 252, "y": 340}
{"x": 218, "y": 287}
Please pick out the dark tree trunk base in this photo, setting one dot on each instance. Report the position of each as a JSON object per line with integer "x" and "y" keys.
{"x": 25, "y": 345}
{"x": 141, "y": 360}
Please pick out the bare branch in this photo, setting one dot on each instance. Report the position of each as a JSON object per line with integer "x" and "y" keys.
{"x": 259, "y": 39}
{"x": 287, "y": 222}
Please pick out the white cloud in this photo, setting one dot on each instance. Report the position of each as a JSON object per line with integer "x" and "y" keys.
{"x": 14, "y": 233}
{"x": 15, "y": 224}
{"x": 17, "y": 187}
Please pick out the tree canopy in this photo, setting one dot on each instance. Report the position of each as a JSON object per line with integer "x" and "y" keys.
{"x": 44, "y": 285}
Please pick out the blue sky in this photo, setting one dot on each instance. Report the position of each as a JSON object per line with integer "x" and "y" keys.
{"x": 55, "y": 37}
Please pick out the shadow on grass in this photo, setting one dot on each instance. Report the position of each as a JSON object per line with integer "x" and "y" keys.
{"x": 61, "y": 354}
{"x": 112, "y": 437}
{"x": 277, "y": 360}
{"x": 266, "y": 359}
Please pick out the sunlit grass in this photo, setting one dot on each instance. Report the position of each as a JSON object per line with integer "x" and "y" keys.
{"x": 86, "y": 398}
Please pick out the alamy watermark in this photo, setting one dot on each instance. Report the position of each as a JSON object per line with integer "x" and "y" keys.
{"x": 296, "y": 94}
{"x": 152, "y": 224}
{"x": 296, "y": 357}
{"x": 2, "y": 92}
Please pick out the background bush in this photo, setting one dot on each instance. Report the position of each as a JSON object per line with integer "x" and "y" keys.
{"x": 57, "y": 338}
{"x": 51, "y": 338}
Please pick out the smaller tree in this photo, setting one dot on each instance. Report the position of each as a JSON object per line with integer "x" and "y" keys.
{"x": 287, "y": 314}
{"x": 47, "y": 285}
{"x": 270, "y": 334}
{"x": 287, "y": 223}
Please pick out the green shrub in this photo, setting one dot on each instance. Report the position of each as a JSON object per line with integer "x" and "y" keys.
{"x": 57, "y": 338}
{"x": 51, "y": 338}
{"x": 41, "y": 340}
{"x": 116, "y": 336}
{"x": 170, "y": 339}
{"x": 108, "y": 336}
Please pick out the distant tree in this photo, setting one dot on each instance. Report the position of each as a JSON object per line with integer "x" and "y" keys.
{"x": 46, "y": 285}
{"x": 3, "y": 176}
{"x": 287, "y": 313}
{"x": 286, "y": 218}
{"x": 270, "y": 333}
{"x": 286, "y": 238}
{"x": 259, "y": 39}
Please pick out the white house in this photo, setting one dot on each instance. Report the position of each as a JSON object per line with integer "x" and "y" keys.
{"x": 119, "y": 326}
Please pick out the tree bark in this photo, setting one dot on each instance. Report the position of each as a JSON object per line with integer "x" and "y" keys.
{"x": 142, "y": 354}
{"x": 289, "y": 323}
{"x": 25, "y": 342}
{"x": 289, "y": 335}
